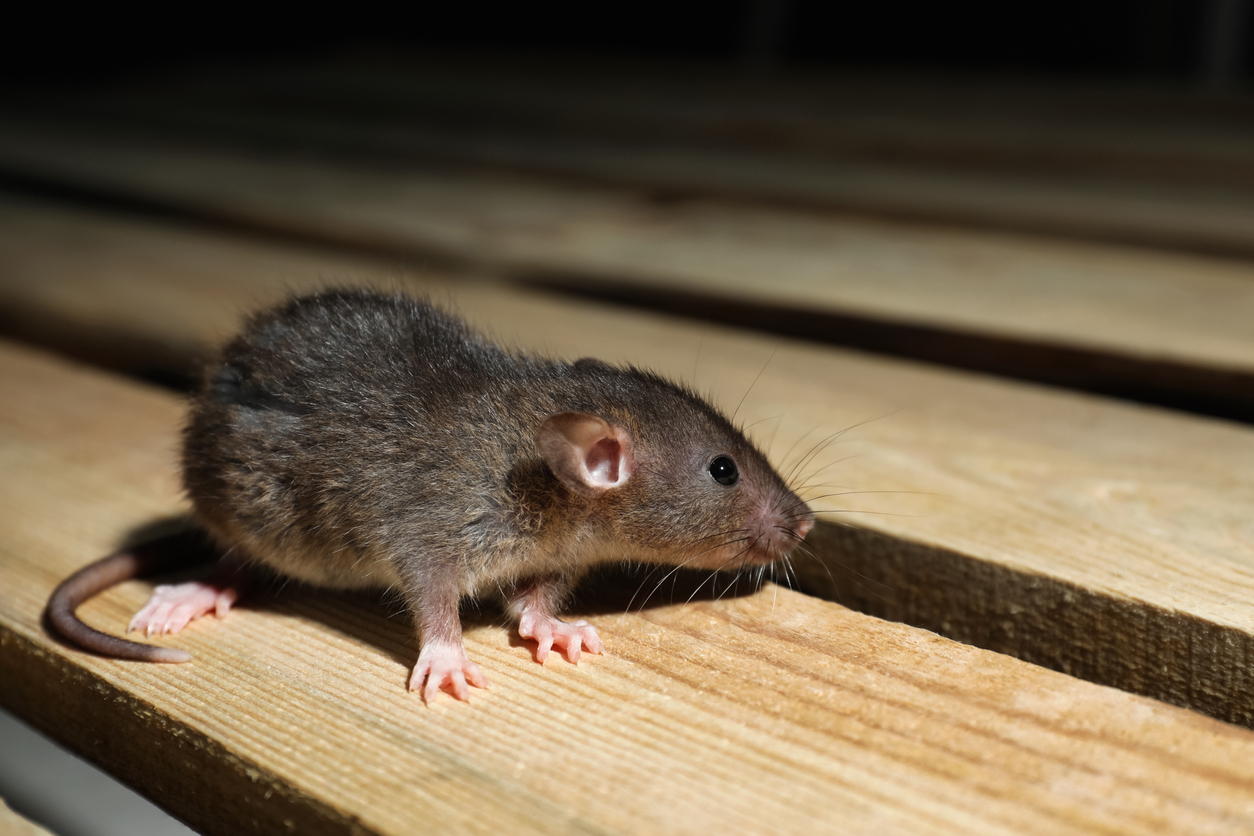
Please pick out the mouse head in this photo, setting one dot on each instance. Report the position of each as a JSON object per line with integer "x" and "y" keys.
{"x": 675, "y": 480}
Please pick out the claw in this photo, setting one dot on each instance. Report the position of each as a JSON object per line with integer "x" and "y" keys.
{"x": 445, "y": 667}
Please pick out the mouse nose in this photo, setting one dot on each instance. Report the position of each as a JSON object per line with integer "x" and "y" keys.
{"x": 803, "y": 526}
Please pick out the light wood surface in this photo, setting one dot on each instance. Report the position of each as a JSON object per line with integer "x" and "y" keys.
{"x": 1155, "y": 325}
{"x": 1106, "y": 540}
{"x": 11, "y": 824}
{"x": 772, "y": 711}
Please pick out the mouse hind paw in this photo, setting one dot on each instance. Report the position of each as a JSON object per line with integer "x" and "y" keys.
{"x": 549, "y": 632}
{"x": 445, "y": 668}
{"x": 171, "y": 608}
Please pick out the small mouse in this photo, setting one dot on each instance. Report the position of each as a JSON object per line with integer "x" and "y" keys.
{"x": 354, "y": 439}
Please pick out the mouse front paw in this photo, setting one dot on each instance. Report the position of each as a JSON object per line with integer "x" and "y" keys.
{"x": 445, "y": 667}
{"x": 171, "y": 608}
{"x": 550, "y": 632}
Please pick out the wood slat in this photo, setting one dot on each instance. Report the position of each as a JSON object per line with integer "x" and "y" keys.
{"x": 1106, "y": 540}
{"x": 1175, "y": 174}
{"x": 771, "y": 711}
{"x": 1165, "y": 328}
{"x": 1036, "y": 125}
{"x": 11, "y": 824}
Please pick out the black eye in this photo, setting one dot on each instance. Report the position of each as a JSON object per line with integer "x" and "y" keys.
{"x": 724, "y": 471}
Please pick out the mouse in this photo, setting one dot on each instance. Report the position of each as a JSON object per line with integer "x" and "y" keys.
{"x": 356, "y": 439}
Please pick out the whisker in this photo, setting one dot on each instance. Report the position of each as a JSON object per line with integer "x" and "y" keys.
{"x": 788, "y": 572}
{"x": 761, "y": 421}
{"x": 813, "y": 451}
{"x": 770, "y": 445}
{"x": 814, "y": 558}
{"x": 775, "y": 595}
{"x": 812, "y": 474}
{"x": 676, "y": 569}
{"x": 856, "y": 493}
{"x": 679, "y": 548}
{"x": 873, "y": 513}
{"x": 727, "y": 562}
{"x": 751, "y": 385}
{"x": 865, "y": 581}
{"x": 818, "y": 449}
{"x": 836, "y": 435}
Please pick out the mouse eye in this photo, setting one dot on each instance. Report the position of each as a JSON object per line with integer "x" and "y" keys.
{"x": 724, "y": 471}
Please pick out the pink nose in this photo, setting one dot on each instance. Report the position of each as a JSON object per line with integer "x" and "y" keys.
{"x": 803, "y": 526}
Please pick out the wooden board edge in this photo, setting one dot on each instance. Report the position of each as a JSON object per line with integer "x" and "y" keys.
{"x": 131, "y": 739}
{"x": 1105, "y": 639}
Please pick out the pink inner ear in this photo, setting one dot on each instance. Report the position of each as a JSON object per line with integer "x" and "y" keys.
{"x": 588, "y": 454}
{"x": 602, "y": 461}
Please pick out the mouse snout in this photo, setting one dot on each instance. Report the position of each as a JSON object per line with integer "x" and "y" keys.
{"x": 777, "y": 530}
{"x": 792, "y": 531}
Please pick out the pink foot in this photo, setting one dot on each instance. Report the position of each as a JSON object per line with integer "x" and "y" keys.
{"x": 171, "y": 607}
{"x": 551, "y": 632}
{"x": 445, "y": 667}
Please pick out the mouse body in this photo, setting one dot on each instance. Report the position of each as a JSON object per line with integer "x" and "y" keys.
{"x": 353, "y": 439}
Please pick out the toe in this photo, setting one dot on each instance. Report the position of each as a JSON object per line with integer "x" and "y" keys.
{"x": 543, "y": 647}
{"x": 156, "y": 622}
{"x": 417, "y": 676}
{"x": 223, "y": 603}
{"x": 542, "y": 632}
{"x": 429, "y": 691}
{"x": 457, "y": 685}
{"x": 475, "y": 676}
{"x": 179, "y": 617}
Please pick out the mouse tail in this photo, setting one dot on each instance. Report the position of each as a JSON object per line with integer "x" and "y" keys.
{"x": 99, "y": 576}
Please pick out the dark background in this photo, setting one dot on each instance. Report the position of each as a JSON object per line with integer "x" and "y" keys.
{"x": 1200, "y": 42}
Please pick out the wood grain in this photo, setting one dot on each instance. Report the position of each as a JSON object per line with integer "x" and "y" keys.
{"x": 1106, "y": 540}
{"x": 769, "y": 711}
{"x": 1167, "y": 328}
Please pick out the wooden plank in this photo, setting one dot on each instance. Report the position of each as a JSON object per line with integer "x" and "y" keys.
{"x": 54, "y": 789}
{"x": 767, "y": 711}
{"x": 14, "y": 825}
{"x": 11, "y": 824}
{"x": 1106, "y": 540}
{"x": 1108, "y": 183}
{"x": 1140, "y": 130}
{"x": 1163, "y": 328}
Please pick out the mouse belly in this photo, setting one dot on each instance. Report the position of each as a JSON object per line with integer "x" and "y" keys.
{"x": 319, "y": 567}
{"x": 289, "y": 552}
{"x": 329, "y": 566}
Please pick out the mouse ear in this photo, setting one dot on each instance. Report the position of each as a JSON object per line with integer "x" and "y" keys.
{"x": 588, "y": 454}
